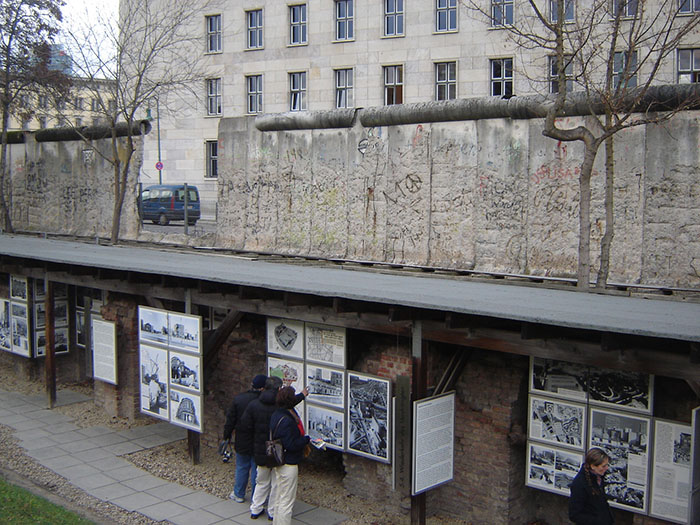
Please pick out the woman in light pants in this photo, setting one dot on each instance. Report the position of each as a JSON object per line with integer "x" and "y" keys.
{"x": 286, "y": 425}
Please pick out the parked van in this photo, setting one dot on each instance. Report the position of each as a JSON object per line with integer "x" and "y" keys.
{"x": 164, "y": 203}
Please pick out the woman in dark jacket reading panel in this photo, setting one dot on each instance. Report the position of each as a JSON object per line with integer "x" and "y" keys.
{"x": 286, "y": 425}
{"x": 588, "y": 504}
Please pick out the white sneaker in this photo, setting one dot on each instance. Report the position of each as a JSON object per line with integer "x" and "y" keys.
{"x": 236, "y": 498}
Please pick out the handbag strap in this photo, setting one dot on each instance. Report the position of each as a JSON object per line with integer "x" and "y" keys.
{"x": 276, "y": 427}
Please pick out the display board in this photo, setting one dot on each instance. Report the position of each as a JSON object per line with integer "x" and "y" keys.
{"x": 433, "y": 442}
{"x": 104, "y": 350}
{"x": 551, "y": 468}
{"x": 285, "y": 338}
{"x": 170, "y": 354}
{"x": 327, "y": 424}
{"x": 326, "y": 386}
{"x": 325, "y": 344}
{"x": 368, "y": 416}
{"x": 670, "y": 484}
{"x": 557, "y": 422}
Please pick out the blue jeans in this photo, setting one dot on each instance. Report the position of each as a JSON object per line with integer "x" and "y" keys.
{"x": 244, "y": 467}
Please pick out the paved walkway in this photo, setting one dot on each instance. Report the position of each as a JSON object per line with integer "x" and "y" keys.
{"x": 89, "y": 459}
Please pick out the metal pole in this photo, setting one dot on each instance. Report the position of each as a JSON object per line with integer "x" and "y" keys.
{"x": 50, "y": 352}
{"x": 187, "y": 201}
{"x": 160, "y": 171}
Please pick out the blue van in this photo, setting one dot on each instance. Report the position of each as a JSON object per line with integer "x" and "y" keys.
{"x": 164, "y": 203}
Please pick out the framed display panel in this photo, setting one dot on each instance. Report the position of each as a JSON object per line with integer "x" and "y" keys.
{"x": 153, "y": 325}
{"x": 20, "y": 337}
{"x": 40, "y": 343}
{"x": 285, "y": 338}
{"x": 18, "y": 288}
{"x": 39, "y": 315}
{"x": 433, "y": 442}
{"x": 670, "y": 482}
{"x": 368, "y": 416}
{"x": 557, "y": 422}
{"x": 558, "y": 378}
{"x": 60, "y": 313}
{"x": 39, "y": 287}
{"x": 19, "y": 310}
{"x": 327, "y": 424}
{"x": 625, "y": 437}
{"x": 80, "y": 327}
{"x": 186, "y": 410}
{"x": 694, "y": 506}
{"x": 551, "y": 468}
{"x": 326, "y": 385}
{"x": 185, "y": 371}
{"x": 153, "y": 364}
{"x": 104, "y": 350}
{"x": 60, "y": 346}
{"x": 325, "y": 344}
{"x": 185, "y": 332}
{"x": 289, "y": 371}
{"x": 5, "y": 326}
{"x": 620, "y": 389}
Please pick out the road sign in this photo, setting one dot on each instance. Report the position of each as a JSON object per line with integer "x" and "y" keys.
{"x": 159, "y": 165}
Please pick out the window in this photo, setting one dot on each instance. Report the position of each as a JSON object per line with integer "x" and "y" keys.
{"x": 393, "y": 85}
{"x": 214, "y": 34}
{"x": 212, "y": 159}
{"x": 624, "y": 8}
{"x": 94, "y": 104}
{"x": 112, "y": 105}
{"x": 502, "y": 77}
{"x": 297, "y": 91}
{"x": 501, "y": 12}
{"x": 688, "y": 66}
{"x": 344, "y": 20}
{"x": 214, "y": 96}
{"x": 689, "y": 6}
{"x": 43, "y": 101}
{"x": 255, "y": 29}
{"x": 60, "y": 104}
{"x": 446, "y": 81}
{"x": 625, "y": 73}
{"x": 446, "y": 16}
{"x": 78, "y": 103}
{"x": 24, "y": 101}
{"x": 568, "y": 10}
{"x": 297, "y": 24}
{"x": 344, "y": 97}
{"x": 393, "y": 17}
{"x": 254, "y": 93}
{"x": 42, "y": 122}
{"x": 554, "y": 74}
{"x": 78, "y": 122}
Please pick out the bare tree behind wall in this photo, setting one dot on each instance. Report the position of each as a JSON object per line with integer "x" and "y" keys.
{"x": 608, "y": 56}
{"x": 152, "y": 49}
{"x": 27, "y": 28}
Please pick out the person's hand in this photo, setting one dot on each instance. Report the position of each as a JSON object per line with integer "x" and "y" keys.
{"x": 305, "y": 391}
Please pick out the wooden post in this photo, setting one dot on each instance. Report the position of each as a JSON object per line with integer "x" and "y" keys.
{"x": 420, "y": 379}
{"x": 193, "y": 442}
{"x": 50, "y": 357}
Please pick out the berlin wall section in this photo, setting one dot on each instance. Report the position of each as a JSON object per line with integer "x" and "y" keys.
{"x": 67, "y": 188}
{"x": 490, "y": 195}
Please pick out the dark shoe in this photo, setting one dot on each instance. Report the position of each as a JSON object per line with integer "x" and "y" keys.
{"x": 256, "y": 516}
{"x": 270, "y": 518}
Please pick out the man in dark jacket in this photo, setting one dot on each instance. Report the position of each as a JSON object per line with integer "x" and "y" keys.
{"x": 243, "y": 443}
{"x": 256, "y": 421}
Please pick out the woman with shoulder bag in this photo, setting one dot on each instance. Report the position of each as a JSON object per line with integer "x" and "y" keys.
{"x": 287, "y": 426}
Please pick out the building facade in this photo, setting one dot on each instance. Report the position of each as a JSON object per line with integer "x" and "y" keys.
{"x": 272, "y": 57}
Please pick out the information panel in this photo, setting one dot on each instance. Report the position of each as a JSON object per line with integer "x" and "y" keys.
{"x": 433, "y": 442}
{"x": 104, "y": 350}
{"x": 671, "y": 473}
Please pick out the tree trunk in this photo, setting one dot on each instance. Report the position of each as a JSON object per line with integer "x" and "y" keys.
{"x": 4, "y": 208}
{"x": 606, "y": 242}
{"x": 584, "y": 240}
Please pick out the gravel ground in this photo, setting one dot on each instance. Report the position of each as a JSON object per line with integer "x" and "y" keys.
{"x": 316, "y": 486}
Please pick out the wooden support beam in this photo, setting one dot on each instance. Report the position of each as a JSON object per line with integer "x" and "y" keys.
{"x": 451, "y": 374}
{"x": 610, "y": 342}
{"x": 695, "y": 385}
{"x": 695, "y": 353}
{"x": 50, "y": 357}
{"x": 401, "y": 314}
{"x": 455, "y": 321}
{"x": 533, "y": 331}
{"x": 217, "y": 338}
{"x": 290, "y": 299}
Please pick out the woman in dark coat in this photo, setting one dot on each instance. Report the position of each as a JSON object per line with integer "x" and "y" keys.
{"x": 588, "y": 504}
{"x": 286, "y": 425}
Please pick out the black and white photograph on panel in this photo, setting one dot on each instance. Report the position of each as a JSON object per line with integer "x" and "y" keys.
{"x": 39, "y": 343}
{"x": 326, "y": 424}
{"x": 325, "y": 344}
{"x": 620, "y": 389}
{"x": 285, "y": 338}
{"x": 60, "y": 313}
{"x": 185, "y": 410}
{"x": 39, "y": 315}
{"x": 5, "y": 326}
{"x": 19, "y": 311}
{"x": 185, "y": 332}
{"x": 39, "y": 289}
{"x": 552, "y": 468}
{"x": 60, "y": 291}
{"x": 80, "y": 327}
{"x": 154, "y": 381}
{"x": 326, "y": 385}
{"x": 624, "y": 437}
{"x": 61, "y": 340}
{"x": 368, "y": 416}
{"x": 20, "y": 336}
{"x": 18, "y": 288}
{"x": 153, "y": 325}
{"x": 557, "y": 422}
{"x": 185, "y": 370}
{"x": 558, "y": 378}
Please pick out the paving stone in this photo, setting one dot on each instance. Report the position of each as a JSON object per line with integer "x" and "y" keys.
{"x": 108, "y": 439}
{"x": 48, "y": 416}
{"x": 77, "y": 471}
{"x": 93, "y": 481}
{"x": 300, "y": 507}
{"x": 29, "y": 424}
{"x": 96, "y": 454}
{"x": 11, "y": 421}
{"x": 94, "y": 431}
{"x": 320, "y": 516}
{"x": 152, "y": 441}
{"x": 61, "y": 462}
{"x": 120, "y": 449}
{"x": 78, "y": 446}
{"x": 197, "y": 500}
{"x": 169, "y": 491}
{"x": 164, "y": 510}
{"x": 31, "y": 435}
{"x": 126, "y": 473}
{"x": 63, "y": 427}
{"x": 138, "y": 432}
{"x": 109, "y": 463}
{"x": 46, "y": 452}
{"x": 111, "y": 492}
{"x": 200, "y": 517}
{"x": 144, "y": 482}
{"x": 39, "y": 443}
{"x": 67, "y": 437}
{"x": 228, "y": 509}
{"x": 136, "y": 501}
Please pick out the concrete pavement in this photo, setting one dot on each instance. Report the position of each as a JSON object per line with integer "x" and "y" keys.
{"x": 90, "y": 459}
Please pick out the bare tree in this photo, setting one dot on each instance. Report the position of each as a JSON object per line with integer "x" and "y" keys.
{"x": 609, "y": 57}
{"x": 152, "y": 49}
{"x": 27, "y": 27}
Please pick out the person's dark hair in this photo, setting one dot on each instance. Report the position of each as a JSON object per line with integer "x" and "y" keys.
{"x": 286, "y": 397}
{"x": 273, "y": 383}
{"x": 596, "y": 456}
